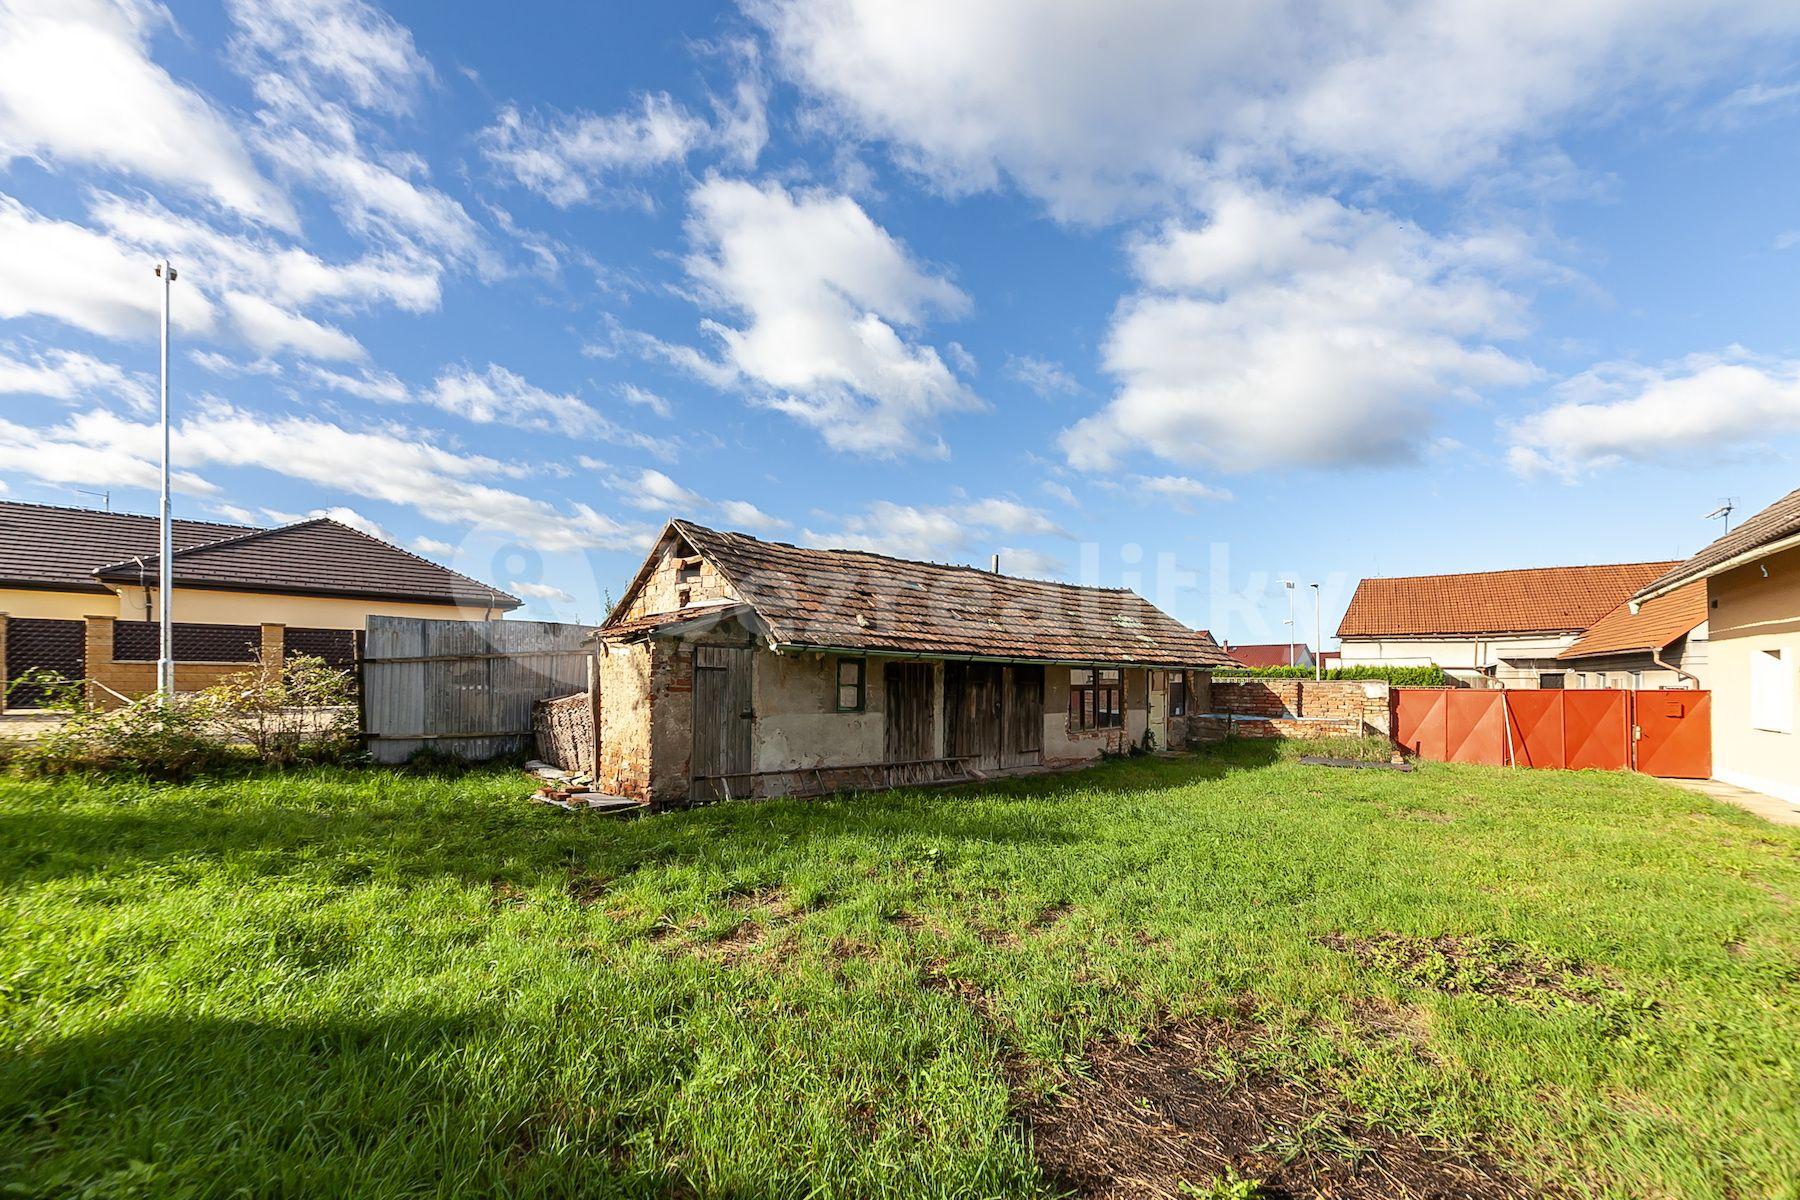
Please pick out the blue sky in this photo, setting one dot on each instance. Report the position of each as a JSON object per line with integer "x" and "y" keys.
{"x": 1184, "y": 297}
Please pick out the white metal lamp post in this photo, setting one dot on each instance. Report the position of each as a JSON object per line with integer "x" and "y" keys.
{"x": 1318, "y": 631}
{"x": 1289, "y": 585}
{"x": 165, "y": 569}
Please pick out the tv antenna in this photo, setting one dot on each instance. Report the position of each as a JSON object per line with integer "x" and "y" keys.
{"x": 105, "y": 497}
{"x": 1723, "y": 512}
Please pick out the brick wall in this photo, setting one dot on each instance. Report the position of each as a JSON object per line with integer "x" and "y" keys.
{"x": 677, "y": 582}
{"x": 134, "y": 679}
{"x": 1293, "y": 708}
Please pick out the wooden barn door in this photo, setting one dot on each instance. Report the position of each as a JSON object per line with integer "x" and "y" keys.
{"x": 1024, "y": 717}
{"x": 722, "y": 717}
{"x": 972, "y": 701}
{"x": 908, "y": 712}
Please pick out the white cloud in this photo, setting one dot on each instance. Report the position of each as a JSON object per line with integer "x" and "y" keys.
{"x": 1095, "y": 106}
{"x": 338, "y": 513}
{"x": 232, "y": 368}
{"x": 433, "y": 547}
{"x": 644, "y": 398}
{"x": 383, "y": 387}
{"x": 655, "y": 492}
{"x": 1787, "y": 240}
{"x": 71, "y": 375}
{"x": 1704, "y": 404}
{"x": 271, "y": 329}
{"x": 343, "y": 44}
{"x": 539, "y": 591}
{"x": 1042, "y": 376}
{"x": 77, "y": 86}
{"x": 745, "y": 516}
{"x": 1060, "y": 491}
{"x": 498, "y": 395}
{"x": 284, "y": 274}
{"x": 824, "y": 294}
{"x": 1300, "y": 332}
{"x": 931, "y": 532}
{"x": 1026, "y": 563}
{"x": 1178, "y": 489}
{"x": 72, "y": 274}
{"x": 568, "y": 157}
{"x": 394, "y": 466}
{"x": 373, "y": 198}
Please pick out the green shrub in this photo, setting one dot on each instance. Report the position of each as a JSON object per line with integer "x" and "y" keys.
{"x": 303, "y": 712}
{"x": 1397, "y": 676}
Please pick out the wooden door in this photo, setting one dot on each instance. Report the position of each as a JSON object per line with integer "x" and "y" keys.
{"x": 972, "y": 702}
{"x": 722, "y": 718}
{"x": 1156, "y": 684}
{"x": 908, "y": 712}
{"x": 1024, "y": 716}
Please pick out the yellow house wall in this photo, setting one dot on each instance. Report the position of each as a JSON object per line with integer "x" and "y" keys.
{"x": 1750, "y": 613}
{"x": 57, "y": 606}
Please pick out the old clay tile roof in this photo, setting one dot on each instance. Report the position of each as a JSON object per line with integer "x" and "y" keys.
{"x": 317, "y": 557}
{"x": 1533, "y": 600}
{"x": 48, "y": 546}
{"x": 855, "y": 600}
{"x": 1776, "y": 523}
{"x": 1657, "y": 622}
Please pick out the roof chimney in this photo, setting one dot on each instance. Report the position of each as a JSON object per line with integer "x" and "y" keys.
{"x": 996, "y": 563}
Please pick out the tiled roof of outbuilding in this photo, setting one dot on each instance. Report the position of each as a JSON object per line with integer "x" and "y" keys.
{"x": 855, "y": 600}
{"x": 1657, "y": 623}
{"x": 1533, "y": 600}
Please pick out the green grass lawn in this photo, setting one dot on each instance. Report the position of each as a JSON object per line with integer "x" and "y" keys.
{"x": 381, "y": 984}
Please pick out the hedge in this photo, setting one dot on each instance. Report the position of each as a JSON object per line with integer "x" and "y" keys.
{"x": 1397, "y": 676}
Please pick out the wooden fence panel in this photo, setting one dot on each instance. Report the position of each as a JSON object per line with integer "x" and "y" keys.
{"x": 463, "y": 687}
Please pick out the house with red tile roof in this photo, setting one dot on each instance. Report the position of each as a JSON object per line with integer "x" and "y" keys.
{"x": 734, "y": 666}
{"x": 1499, "y": 628}
{"x": 1272, "y": 654}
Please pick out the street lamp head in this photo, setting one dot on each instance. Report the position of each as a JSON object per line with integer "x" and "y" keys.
{"x": 159, "y": 271}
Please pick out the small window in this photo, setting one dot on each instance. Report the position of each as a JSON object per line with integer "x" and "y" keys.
{"x": 1095, "y": 698}
{"x": 1772, "y": 690}
{"x": 1177, "y": 693}
{"x": 1551, "y": 679}
{"x": 850, "y": 684}
{"x": 688, "y": 571}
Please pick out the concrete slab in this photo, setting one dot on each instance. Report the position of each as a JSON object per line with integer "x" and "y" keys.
{"x": 1769, "y": 808}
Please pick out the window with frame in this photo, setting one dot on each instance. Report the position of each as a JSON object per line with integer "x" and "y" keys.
{"x": 1551, "y": 679}
{"x": 1772, "y": 690}
{"x": 1178, "y": 693}
{"x": 850, "y": 684}
{"x": 1096, "y": 698}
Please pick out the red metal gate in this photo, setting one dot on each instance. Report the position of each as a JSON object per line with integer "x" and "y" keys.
{"x": 1659, "y": 733}
{"x": 1674, "y": 734}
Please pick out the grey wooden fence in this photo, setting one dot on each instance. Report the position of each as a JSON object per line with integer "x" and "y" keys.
{"x": 463, "y": 687}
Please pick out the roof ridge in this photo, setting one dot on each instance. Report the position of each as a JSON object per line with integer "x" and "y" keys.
{"x": 1648, "y": 562}
{"x": 107, "y": 512}
{"x": 911, "y": 562}
{"x": 243, "y": 536}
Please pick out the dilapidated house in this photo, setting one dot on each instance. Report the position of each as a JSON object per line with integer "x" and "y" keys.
{"x": 739, "y": 667}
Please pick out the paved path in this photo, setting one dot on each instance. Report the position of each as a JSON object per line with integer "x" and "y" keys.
{"x": 1778, "y": 812}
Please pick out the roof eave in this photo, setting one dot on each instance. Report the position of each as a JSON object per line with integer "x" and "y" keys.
{"x": 1679, "y": 580}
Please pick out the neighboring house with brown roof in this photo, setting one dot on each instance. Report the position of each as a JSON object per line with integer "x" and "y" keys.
{"x": 734, "y": 666}
{"x": 1663, "y": 644}
{"x": 1486, "y": 628}
{"x": 1272, "y": 654}
{"x": 78, "y": 591}
{"x": 1751, "y": 578}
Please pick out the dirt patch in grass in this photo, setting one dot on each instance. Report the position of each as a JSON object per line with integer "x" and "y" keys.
{"x": 1180, "y": 1116}
{"x": 1492, "y": 967}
